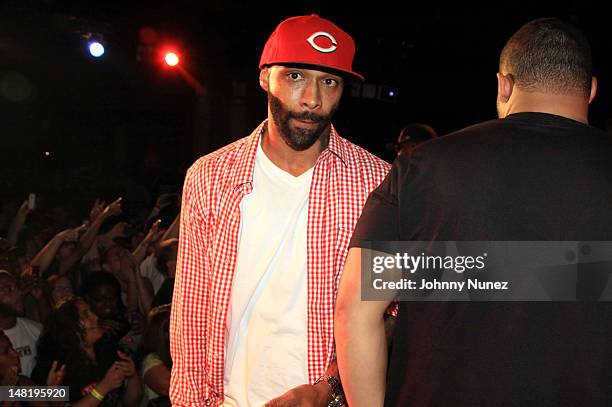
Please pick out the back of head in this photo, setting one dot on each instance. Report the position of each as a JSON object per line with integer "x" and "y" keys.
{"x": 416, "y": 132}
{"x": 550, "y": 56}
{"x": 410, "y": 136}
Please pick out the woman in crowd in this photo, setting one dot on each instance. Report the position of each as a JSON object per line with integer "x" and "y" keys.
{"x": 95, "y": 371}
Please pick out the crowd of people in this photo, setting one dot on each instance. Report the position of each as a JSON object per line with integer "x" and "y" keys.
{"x": 88, "y": 306}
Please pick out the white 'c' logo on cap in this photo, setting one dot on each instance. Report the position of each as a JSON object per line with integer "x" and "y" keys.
{"x": 311, "y": 41}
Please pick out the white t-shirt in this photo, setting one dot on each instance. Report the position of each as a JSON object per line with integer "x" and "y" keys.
{"x": 149, "y": 270}
{"x": 266, "y": 339}
{"x": 24, "y": 336}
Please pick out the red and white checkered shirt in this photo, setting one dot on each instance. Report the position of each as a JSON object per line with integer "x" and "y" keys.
{"x": 342, "y": 179}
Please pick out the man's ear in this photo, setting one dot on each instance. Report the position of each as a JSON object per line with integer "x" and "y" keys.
{"x": 505, "y": 85}
{"x": 593, "y": 89}
{"x": 264, "y": 79}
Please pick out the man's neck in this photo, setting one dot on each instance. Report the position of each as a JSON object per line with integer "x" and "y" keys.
{"x": 286, "y": 158}
{"x": 569, "y": 106}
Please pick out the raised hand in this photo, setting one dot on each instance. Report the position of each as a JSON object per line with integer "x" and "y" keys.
{"x": 56, "y": 374}
{"x": 96, "y": 210}
{"x": 155, "y": 232}
{"x": 113, "y": 208}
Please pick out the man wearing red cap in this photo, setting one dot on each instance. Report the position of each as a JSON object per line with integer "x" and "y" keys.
{"x": 265, "y": 226}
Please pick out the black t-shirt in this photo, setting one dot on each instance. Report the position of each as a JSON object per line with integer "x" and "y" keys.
{"x": 531, "y": 176}
{"x": 164, "y": 294}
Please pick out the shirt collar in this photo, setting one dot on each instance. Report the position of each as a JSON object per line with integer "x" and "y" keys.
{"x": 246, "y": 153}
{"x": 337, "y": 146}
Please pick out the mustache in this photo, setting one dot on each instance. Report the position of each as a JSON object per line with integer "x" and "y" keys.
{"x": 309, "y": 116}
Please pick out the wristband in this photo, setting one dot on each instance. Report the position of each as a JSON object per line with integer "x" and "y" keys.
{"x": 96, "y": 394}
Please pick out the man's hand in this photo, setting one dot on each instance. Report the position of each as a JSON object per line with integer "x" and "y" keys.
{"x": 112, "y": 209}
{"x": 306, "y": 395}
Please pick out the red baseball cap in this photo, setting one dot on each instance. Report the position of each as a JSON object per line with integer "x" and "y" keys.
{"x": 310, "y": 40}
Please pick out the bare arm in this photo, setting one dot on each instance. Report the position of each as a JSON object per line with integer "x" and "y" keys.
{"x": 45, "y": 256}
{"x": 152, "y": 236}
{"x": 90, "y": 236}
{"x": 140, "y": 292}
{"x": 127, "y": 274}
{"x": 133, "y": 392}
{"x": 173, "y": 230}
{"x": 360, "y": 339}
{"x": 158, "y": 379}
{"x": 17, "y": 223}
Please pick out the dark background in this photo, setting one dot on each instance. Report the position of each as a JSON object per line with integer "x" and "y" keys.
{"x": 119, "y": 123}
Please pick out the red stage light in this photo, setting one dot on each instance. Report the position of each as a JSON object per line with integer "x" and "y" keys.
{"x": 171, "y": 59}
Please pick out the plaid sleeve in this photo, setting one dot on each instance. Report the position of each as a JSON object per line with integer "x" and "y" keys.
{"x": 187, "y": 323}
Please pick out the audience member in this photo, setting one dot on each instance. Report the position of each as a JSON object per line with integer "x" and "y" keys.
{"x": 95, "y": 370}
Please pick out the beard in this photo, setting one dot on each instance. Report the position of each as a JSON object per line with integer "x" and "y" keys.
{"x": 298, "y": 139}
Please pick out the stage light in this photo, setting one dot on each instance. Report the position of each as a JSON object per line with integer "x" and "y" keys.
{"x": 96, "y": 49}
{"x": 388, "y": 93}
{"x": 171, "y": 59}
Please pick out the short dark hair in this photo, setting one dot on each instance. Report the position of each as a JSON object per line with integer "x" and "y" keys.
{"x": 549, "y": 55}
{"x": 96, "y": 279}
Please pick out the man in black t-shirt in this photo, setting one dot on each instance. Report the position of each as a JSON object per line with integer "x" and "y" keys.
{"x": 541, "y": 173}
